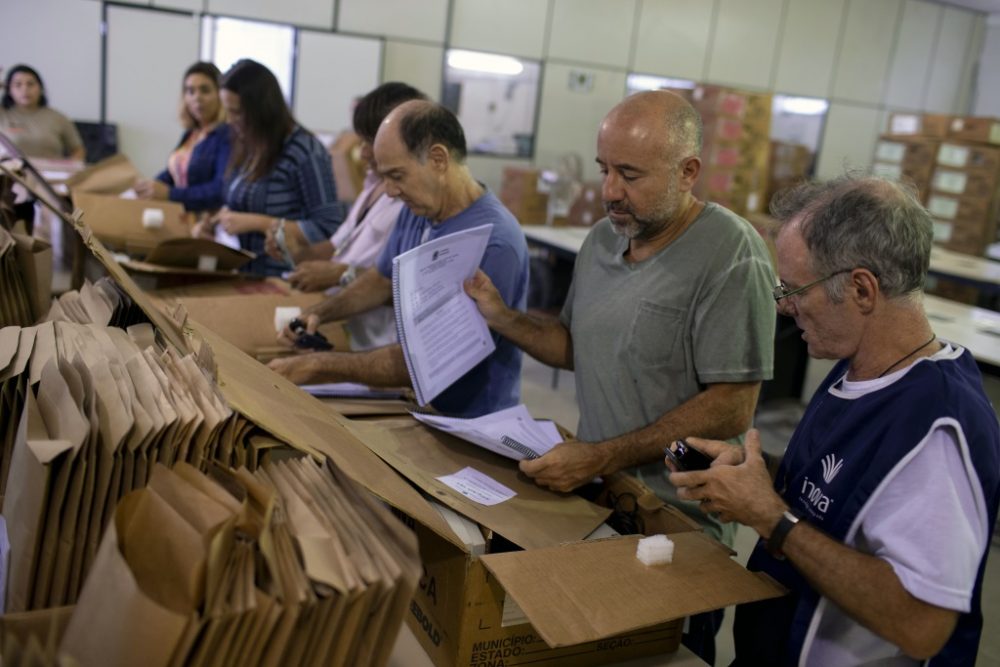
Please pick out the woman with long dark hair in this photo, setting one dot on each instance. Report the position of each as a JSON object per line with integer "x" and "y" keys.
{"x": 277, "y": 169}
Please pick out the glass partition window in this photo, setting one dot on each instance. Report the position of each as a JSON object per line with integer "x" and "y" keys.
{"x": 226, "y": 40}
{"x": 496, "y": 98}
{"x": 798, "y": 120}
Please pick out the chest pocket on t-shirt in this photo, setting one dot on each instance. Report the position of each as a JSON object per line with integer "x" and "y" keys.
{"x": 657, "y": 336}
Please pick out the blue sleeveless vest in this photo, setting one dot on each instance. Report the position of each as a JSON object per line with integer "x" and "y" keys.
{"x": 840, "y": 453}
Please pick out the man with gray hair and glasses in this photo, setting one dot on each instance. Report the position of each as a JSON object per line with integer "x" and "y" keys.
{"x": 881, "y": 512}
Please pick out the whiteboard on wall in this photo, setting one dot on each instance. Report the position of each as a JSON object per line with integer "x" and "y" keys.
{"x": 148, "y": 53}
{"x": 332, "y": 71}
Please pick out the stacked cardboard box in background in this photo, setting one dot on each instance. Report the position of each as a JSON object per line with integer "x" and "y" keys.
{"x": 790, "y": 164}
{"x": 519, "y": 193}
{"x": 963, "y": 196}
{"x": 737, "y": 146}
{"x": 907, "y": 158}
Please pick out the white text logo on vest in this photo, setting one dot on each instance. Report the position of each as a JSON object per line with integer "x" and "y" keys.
{"x": 831, "y": 466}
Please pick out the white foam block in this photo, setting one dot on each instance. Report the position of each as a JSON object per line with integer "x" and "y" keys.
{"x": 207, "y": 262}
{"x": 655, "y": 550}
{"x": 283, "y": 315}
{"x": 152, "y": 218}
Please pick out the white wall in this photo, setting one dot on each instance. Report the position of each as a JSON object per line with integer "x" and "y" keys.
{"x": 868, "y": 57}
{"x": 987, "y": 84}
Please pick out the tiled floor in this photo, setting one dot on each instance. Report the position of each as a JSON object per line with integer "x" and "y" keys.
{"x": 776, "y": 422}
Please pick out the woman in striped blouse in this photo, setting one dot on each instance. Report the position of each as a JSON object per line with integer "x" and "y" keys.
{"x": 277, "y": 170}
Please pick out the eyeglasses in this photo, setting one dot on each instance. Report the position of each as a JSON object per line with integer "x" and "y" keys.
{"x": 782, "y": 292}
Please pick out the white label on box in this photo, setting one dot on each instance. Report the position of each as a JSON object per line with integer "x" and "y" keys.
{"x": 477, "y": 487}
{"x": 995, "y": 133}
{"x": 946, "y": 180}
{"x": 951, "y": 155}
{"x": 957, "y": 125}
{"x": 890, "y": 151}
{"x": 943, "y": 207}
{"x": 885, "y": 170}
{"x": 207, "y": 262}
{"x": 753, "y": 202}
{"x": 905, "y": 124}
{"x": 942, "y": 230}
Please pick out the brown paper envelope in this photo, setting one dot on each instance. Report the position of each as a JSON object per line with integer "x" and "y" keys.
{"x": 117, "y": 423}
{"x": 115, "y": 623}
{"x": 22, "y": 358}
{"x": 85, "y": 517}
{"x": 265, "y": 618}
{"x": 403, "y": 548}
{"x": 42, "y": 351}
{"x": 143, "y": 334}
{"x": 8, "y": 345}
{"x": 96, "y": 304}
{"x": 73, "y": 308}
{"x": 27, "y": 492}
{"x": 206, "y": 486}
{"x": 185, "y": 404}
{"x": 35, "y": 259}
{"x": 183, "y": 423}
{"x": 164, "y": 552}
{"x": 64, "y": 420}
{"x": 200, "y": 510}
{"x": 324, "y": 556}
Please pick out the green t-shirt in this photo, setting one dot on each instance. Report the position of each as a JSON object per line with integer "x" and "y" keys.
{"x": 648, "y": 336}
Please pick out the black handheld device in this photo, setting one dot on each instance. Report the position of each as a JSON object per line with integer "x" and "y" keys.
{"x": 686, "y": 457}
{"x": 308, "y": 341}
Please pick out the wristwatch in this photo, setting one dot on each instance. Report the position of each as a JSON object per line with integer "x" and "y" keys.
{"x": 348, "y": 276}
{"x": 789, "y": 519}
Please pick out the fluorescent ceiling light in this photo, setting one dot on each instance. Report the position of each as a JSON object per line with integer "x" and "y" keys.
{"x": 488, "y": 63}
{"x": 809, "y": 106}
{"x": 649, "y": 82}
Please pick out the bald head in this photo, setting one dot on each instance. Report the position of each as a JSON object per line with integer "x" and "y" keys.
{"x": 663, "y": 118}
{"x": 420, "y": 124}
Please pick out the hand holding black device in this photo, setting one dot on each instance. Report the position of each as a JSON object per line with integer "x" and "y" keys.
{"x": 685, "y": 457}
{"x": 308, "y": 341}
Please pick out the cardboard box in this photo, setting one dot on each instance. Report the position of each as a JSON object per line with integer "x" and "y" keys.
{"x": 962, "y": 183}
{"x": 969, "y": 156}
{"x": 111, "y": 176}
{"x": 588, "y": 207}
{"x": 519, "y": 193}
{"x": 247, "y": 320}
{"x": 535, "y": 518}
{"x": 949, "y": 207}
{"x": 118, "y": 222}
{"x": 911, "y": 152}
{"x": 985, "y": 130}
{"x": 921, "y": 125}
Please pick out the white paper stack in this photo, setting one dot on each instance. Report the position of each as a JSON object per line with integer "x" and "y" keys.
{"x": 512, "y": 433}
{"x": 442, "y": 333}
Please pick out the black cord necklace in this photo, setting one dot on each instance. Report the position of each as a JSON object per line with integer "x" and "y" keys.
{"x": 907, "y": 356}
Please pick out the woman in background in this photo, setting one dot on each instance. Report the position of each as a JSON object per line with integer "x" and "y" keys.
{"x": 359, "y": 241}
{"x": 277, "y": 170}
{"x": 27, "y": 119}
{"x": 196, "y": 169}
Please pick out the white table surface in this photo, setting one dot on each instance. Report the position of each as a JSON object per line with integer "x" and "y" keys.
{"x": 976, "y": 269}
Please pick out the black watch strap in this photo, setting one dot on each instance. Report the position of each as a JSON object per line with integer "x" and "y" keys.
{"x": 788, "y": 521}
